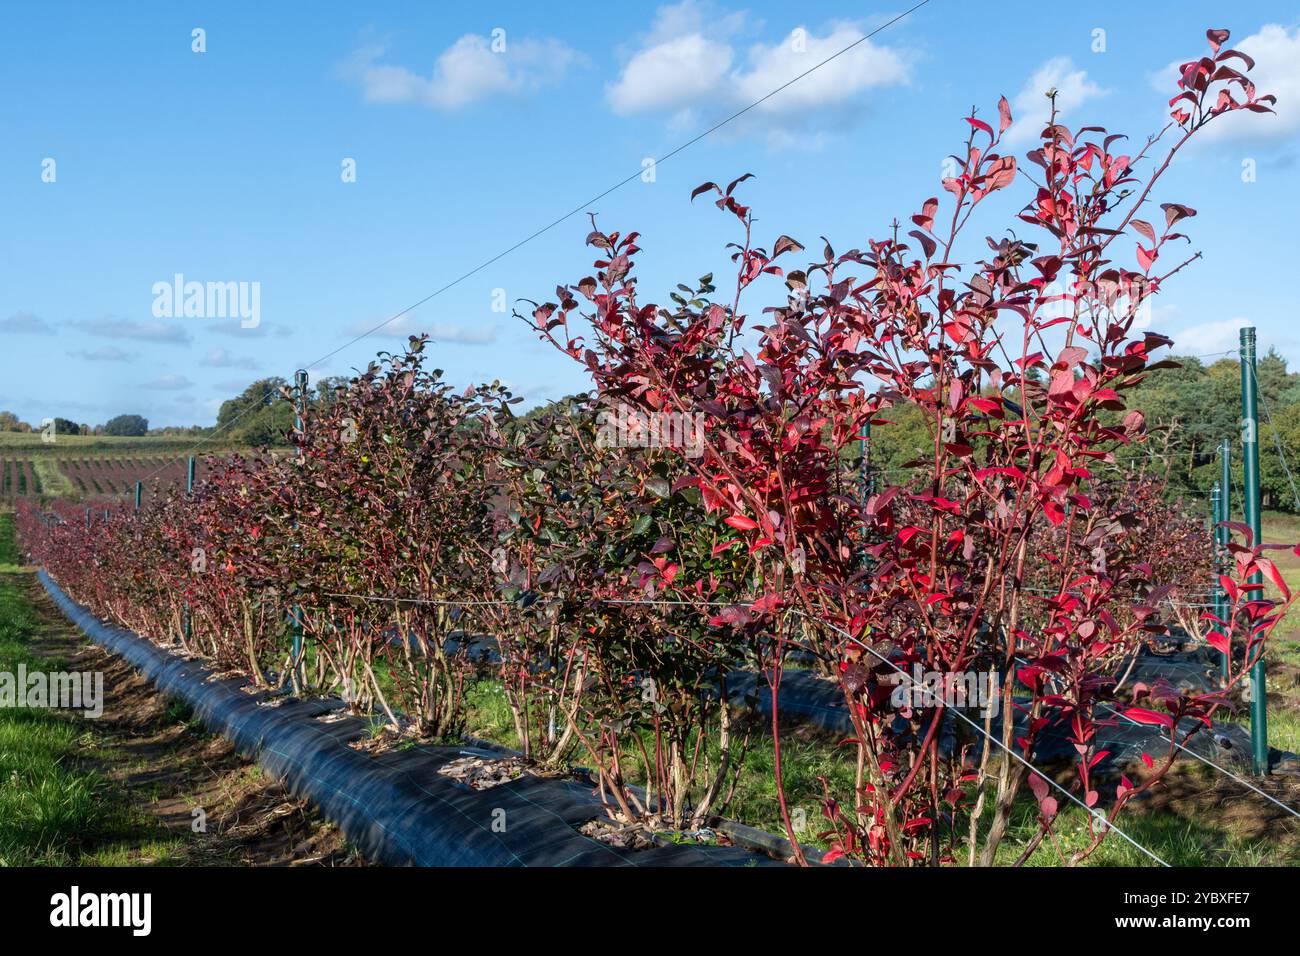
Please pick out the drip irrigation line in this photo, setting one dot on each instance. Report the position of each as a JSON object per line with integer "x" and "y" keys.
{"x": 957, "y": 713}
{"x": 585, "y": 205}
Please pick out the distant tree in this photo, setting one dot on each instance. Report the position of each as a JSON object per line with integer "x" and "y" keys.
{"x": 66, "y": 426}
{"x": 131, "y": 426}
{"x": 9, "y": 422}
{"x": 181, "y": 430}
{"x": 257, "y": 416}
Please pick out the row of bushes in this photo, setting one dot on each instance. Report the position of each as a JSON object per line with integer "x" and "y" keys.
{"x": 703, "y": 510}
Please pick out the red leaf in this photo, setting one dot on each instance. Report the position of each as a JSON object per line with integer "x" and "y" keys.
{"x": 1144, "y": 716}
{"x": 741, "y": 523}
{"x": 1004, "y": 114}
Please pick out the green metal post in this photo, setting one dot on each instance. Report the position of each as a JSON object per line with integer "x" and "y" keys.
{"x": 1250, "y": 467}
{"x": 1221, "y": 538}
{"x": 139, "y": 494}
{"x": 1216, "y": 567}
{"x": 868, "y": 483}
{"x": 300, "y": 426}
{"x": 189, "y": 486}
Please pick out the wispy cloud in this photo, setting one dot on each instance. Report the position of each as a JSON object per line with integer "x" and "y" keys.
{"x": 473, "y": 68}
{"x": 164, "y": 332}
{"x": 440, "y": 332}
{"x": 234, "y": 329}
{"x": 169, "y": 382}
{"x": 25, "y": 323}
{"x": 223, "y": 358}
{"x": 1208, "y": 337}
{"x": 105, "y": 353}
{"x": 1033, "y": 110}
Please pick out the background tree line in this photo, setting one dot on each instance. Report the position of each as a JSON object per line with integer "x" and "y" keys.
{"x": 1189, "y": 410}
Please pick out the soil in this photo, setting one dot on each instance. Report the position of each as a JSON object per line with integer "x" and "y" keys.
{"x": 168, "y": 766}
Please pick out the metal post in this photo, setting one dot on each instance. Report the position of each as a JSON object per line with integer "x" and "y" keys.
{"x": 1250, "y": 468}
{"x": 1216, "y": 568}
{"x": 139, "y": 494}
{"x": 87, "y": 519}
{"x": 1221, "y": 538}
{"x": 300, "y": 402}
{"x": 186, "y": 623}
{"x": 868, "y": 484}
{"x": 300, "y": 426}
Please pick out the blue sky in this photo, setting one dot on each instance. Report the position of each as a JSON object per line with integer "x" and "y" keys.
{"x": 226, "y": 166}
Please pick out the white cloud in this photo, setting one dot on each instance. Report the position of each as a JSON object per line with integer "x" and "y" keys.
{"x": 841, "y": 80}
{"x": 1208, "y": 337}
{"x": 1276, "y": 52}
{"x": 105, "y": 353}
{"x": 222, "y": 358}
{"x": 467, "y": 71}
{"x": 672, "y": 75}
{"x": 169, "y": 382}
{"x": 440, "y": 332}
{"x": 165, "y": 332}
{"x": 1032, "y": 109}
{"x": 235, "y": 328}
{"x": 688, "y": 65}
{"x": 25, "y": 323}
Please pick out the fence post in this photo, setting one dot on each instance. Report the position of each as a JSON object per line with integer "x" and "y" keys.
{"x": 295, "y": 626}
{"x": 1216, "y": 515}
{"x": 139, "y": 494}
{"x": 186, "y": 623}
{"x": 1221, "y": 538}
{"x": 1250, "y": 468}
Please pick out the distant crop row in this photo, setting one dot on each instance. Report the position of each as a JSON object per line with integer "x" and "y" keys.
{"x": 90, "y": 476}
{"x": 18, "y": 478}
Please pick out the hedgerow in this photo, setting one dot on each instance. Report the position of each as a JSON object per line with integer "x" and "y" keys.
{"x": 622, "y": 577}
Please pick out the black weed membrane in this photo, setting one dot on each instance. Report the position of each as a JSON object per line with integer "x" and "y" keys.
{"x": 808, "y": 698}
{"x": 398, "y": 808}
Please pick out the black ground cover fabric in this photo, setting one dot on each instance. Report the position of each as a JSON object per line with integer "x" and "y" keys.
{"x": 396, "y": 808}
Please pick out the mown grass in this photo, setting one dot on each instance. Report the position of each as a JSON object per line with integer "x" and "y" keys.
{"x": 54, "y": 483}
{"x": 55, "y": 810}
